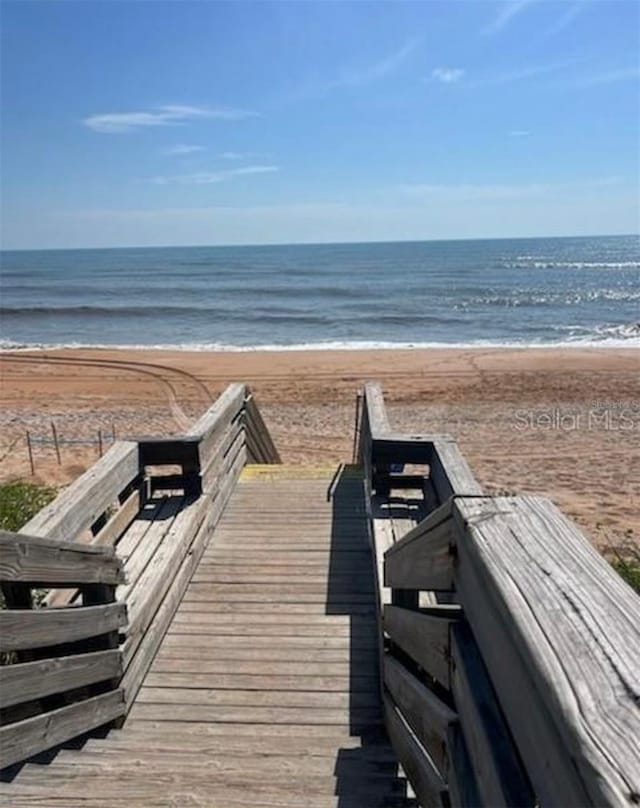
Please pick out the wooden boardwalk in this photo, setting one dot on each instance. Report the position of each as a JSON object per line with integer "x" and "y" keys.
{"x": 265, "y": 688}
{"x": 272, "y": 636}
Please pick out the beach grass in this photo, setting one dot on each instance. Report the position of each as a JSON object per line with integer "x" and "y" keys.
{"x": 20, "y": 501}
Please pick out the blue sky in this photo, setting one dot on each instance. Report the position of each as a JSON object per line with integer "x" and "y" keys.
{"x": 153, "y": 123}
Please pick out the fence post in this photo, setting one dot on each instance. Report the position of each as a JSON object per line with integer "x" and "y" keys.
{"x": 55, "y": 442}
{"x": 31, "y": 463}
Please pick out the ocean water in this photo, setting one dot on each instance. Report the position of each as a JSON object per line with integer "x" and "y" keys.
{"x": 556, "y": 291}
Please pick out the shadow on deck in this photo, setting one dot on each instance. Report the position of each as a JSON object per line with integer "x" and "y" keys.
{"x": 370, "y": 772}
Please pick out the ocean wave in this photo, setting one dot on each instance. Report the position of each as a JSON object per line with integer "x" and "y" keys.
{"x": 337, "y": 345}
{"x": 526, "y": 298}
{"x": 533, "y": 263}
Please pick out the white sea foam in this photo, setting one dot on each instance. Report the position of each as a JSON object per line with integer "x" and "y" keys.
{"x": 603, "y": 341}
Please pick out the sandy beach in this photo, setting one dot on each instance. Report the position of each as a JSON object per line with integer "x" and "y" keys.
{"x": 562, "y": 423}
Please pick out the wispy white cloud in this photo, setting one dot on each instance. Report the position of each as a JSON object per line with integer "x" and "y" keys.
{"x": 183, "y": 148}
{"x": 212, "y": 177}
{"x": 611, "y": 76}
{"x": 508, "y": 12}
{"x": 447, "y": 75}
{"x": 564, "y": 20}
{"x": 233, "y": 155}
{"x": 519, "y": 133}
{"x": 166, "y": 115}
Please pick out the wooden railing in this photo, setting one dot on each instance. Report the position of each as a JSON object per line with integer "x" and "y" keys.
{"x": 511, "y": 669}
{"x": 66, "y": 666}
{"x": 88, "y": 549}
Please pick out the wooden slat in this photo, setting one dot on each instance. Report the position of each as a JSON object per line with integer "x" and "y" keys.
{"x": 423, "y": 558}
{"x": 450, "y": 472}
{"x": 20, "y": 629}
{"x": 256, "y": 426}
{"x": 500, "y": 778}
{"x": 153, "y": 529}
{"x": 217, "y": 418}
{"x": 254, "y": 767}
{"x": 357, "y": 719}
{"x": 49, "y": 562}
{"x": 426, "y": 714}
{"x": 139, "y": 655}
{"x": 80, "y": 505}
{"x": 155, "y": 580}
{"x": 376, "y": 411}
{"x": 25, "y": 738}
{"x": 230, "y": 440}
{"x": 425, "y": 779}
{"x": 119, "y": 521}
{"x": 146, "y": 650}
{"x": 231, "y": 697}
{"x": 424, "y": 637}
{"x": 160, "y": 677}
{"x": 559, "y": 633}
{"x": 461, "y": 778}
{"x": 33, "y": 680}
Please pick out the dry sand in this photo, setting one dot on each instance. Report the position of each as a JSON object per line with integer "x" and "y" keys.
{"x": 563, "y": 423}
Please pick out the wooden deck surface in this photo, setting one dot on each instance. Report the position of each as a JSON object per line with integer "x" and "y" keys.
{"x": 265, "y": 688}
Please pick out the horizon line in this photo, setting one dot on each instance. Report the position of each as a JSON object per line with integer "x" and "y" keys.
{"x": 314, "y": 243}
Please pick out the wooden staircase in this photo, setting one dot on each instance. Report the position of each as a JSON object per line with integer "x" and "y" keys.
{"x": 265, "y": 689}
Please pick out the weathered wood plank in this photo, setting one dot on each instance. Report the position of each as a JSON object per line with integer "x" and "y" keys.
{"x": 424, "y": 637}
{"x": 356, "y": 719}
{"x": 39, "y": 628}
{"x": 160, "y": 677}
{"x": 376, "y": 411}
{"x": 559, "y": 633}
{"x": 423, "y": 558}
{"x": 217, "y": 418}
{"x": 256, "y": 427}
{"x": 237, "y": 740}
{"x": 33, "y": 680}
{"x": 50, "y": 562}
{"x": 254, "y": 767}
{"x": 80, "y": 505}
{"x": 334, "y": 663}
{"x": 500, "y": 778}
{"x": 152, "y": 585}
{"x": 146, "y": 650}
{"x": 25, "y": 738}
{"x": 461, "y": 777}
{"x": 426, "y": 714}
{"x": 230, "y": 442}
{"x": 450, "y": 472}
{"x": 119, "y": 521}
{"x": 425, "y": 779}
{"x": 184, "y": 646}
{"x": 153, "y": 529}
{"x": 310, "y": 699}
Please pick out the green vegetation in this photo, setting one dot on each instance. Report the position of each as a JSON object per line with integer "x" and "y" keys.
{"x": 20, "y": 501}
{"x": 629, "y": 569}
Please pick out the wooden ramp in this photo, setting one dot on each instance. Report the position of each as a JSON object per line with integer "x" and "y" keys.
{"x": 265, "y": 688}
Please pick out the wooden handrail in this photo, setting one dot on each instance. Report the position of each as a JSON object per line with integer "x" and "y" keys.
{"x": 543, "y": 670}
{"x": 75, "y": 668}
{"x": 80, "y": 505}
{"x": 66, "y": 656}
{"x": 47, "y": 562}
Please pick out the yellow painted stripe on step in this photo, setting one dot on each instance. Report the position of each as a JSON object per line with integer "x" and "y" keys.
{"x": 283, "y": 471}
